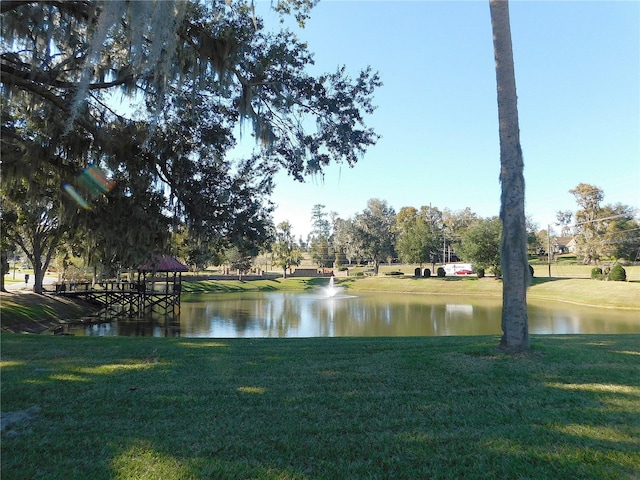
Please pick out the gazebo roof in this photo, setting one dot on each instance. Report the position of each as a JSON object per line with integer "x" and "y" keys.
{"x": 162, "y": 263}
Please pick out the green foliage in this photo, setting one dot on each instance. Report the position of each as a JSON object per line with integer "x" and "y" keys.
{"x": 374, "y": 231}
{"x": 193, "y": 71}
{"x": 33, "y": 218}
{"x": 348, "y": 240}
{"x": 419, "y": 234}
{"x": 238, "y": 259}
{"x": 480, "y": 244}
{"x": 321, "y": 226}
{"x": 497, "y": 272}
{"x": 604, "y": 231}
{"x": 618, "y": 273}
{"x": 596, "y": 273}
{"x": 285, "y": 252}
{"x": 321, "y": 252}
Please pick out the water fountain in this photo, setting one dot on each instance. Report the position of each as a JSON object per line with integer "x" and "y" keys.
{"x": 330, "y": 291}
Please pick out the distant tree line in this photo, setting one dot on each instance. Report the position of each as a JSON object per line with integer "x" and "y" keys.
{"x": 428, "y": 235}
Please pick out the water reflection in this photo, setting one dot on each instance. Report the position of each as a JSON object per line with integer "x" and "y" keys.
{"x": 305, "y": 315}
{"x": 143, "y": 327}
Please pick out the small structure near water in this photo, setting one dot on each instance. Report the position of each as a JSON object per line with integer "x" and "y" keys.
{"x": 161, "y": 291}
{"x": 157, "y": 289}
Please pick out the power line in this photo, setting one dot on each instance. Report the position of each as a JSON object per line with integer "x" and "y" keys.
{"x": 604, "y": 218}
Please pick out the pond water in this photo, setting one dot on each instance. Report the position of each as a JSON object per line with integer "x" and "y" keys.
{"x": 278, "y": 314}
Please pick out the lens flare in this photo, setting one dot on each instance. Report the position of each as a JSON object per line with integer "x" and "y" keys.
{"x": 75, "y": 195}
{"x": 90, "y": 184}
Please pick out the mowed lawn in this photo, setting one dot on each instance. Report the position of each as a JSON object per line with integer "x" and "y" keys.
{"x": 323, "y": 408}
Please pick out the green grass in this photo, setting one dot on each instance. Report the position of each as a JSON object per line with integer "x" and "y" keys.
{"x": 560, "y": 268}
{"x": 587, "y": 292}
{"x": 232, "y": 286}
{"x": 448, "y": 408}
{"x": 27, "y": 311}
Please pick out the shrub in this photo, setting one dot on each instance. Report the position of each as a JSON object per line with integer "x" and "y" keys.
{"x": 618, "y": 273}
{"x": 394, "y": 273}
{"x": 596, "y": 273}
{"x": 440, "y": 272}
{"x": 480, "y": 272}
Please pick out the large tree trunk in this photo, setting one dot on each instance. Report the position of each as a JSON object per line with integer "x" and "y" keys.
{"x": 39, "y": 250}
{"x": 513, "y": 247}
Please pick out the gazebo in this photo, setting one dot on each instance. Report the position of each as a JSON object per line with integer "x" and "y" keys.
{"x": 160, "y": 284}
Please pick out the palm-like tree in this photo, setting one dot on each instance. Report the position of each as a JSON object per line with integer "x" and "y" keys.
{"x": 513, "y": 247}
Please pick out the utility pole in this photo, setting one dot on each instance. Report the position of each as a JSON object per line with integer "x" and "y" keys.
{"x": 444, "y": 244}
{"x": 549, "y": 248}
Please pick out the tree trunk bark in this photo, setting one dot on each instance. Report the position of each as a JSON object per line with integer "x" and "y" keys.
{"x": 38, "y": 278}
{"x": 3, "y": 261}
{"x": 513, "y": 246}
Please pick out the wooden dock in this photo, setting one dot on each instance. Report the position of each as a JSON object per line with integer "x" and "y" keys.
{"x": 127, "y": 299}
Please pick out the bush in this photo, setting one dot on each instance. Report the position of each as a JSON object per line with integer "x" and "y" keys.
{"x": 596, "y": 273}
{"x": 480, "y": 272}
{"x": 617, "y": 273}
{"x": 440, "y": 272}
{"x": 394, "y": 273}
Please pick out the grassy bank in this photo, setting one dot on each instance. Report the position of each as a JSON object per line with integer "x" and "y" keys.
{"x": 576, "y": 290}
{"x": 559, "y": 269}
{"x": 29, "y": 312}
{"x": 448, "y": 408}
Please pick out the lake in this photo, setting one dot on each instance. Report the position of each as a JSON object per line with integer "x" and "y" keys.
{"x": 285, "y": 314}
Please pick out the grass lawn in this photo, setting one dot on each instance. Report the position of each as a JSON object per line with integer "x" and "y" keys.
{"x": 561, "y": 268}
{"x": 326, "y": 408}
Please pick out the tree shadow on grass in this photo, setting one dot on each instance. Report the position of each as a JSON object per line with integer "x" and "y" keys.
{"x": 543, "y": 280}
{"x": 314, "y": 283}
{"x": 323, "y": 408}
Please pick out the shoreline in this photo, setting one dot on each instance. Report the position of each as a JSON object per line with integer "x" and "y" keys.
{"x": 26, "y": 312}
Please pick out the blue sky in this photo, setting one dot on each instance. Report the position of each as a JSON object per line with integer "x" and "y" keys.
{"x": 578, "y": 79}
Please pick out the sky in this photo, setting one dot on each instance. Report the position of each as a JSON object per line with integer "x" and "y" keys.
{"x": 577, "y": 66}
